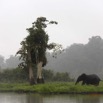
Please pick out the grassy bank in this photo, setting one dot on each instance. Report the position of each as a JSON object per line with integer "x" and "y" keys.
{"x": 51, "y": 88}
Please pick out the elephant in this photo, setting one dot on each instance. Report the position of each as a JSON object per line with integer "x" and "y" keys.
{"x": 92, "y": 79}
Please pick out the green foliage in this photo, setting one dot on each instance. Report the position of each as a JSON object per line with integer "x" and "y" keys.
{"x": 62, "y": 77}
{"x": 13, "y": 75}
{"x": 35, "y": 44}
{"x": 48, "y": 74}
{"x": 19, "y": 75}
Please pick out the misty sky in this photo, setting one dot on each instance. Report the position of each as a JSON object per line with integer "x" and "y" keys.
{"x": 77, "y": 20}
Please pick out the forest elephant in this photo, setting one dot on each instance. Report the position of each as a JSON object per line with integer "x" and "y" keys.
{"x": 92, "y": 79}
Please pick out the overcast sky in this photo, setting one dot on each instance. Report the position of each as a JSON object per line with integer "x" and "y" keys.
{"x": 77, "y": 20}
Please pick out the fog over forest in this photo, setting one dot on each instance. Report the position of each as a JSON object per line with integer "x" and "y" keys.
{"x": 75, "y": 59}
{"x": 80, "y": 58}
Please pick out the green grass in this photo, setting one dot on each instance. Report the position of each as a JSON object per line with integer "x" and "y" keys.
{"x": 55, "y": 87}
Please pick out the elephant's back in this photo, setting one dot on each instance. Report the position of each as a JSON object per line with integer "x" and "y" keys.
{"x": 94, "y": 76}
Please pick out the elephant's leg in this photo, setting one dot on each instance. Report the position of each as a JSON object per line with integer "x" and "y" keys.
{"x": 83, "y": 83}
{"x": 96, "y": 84}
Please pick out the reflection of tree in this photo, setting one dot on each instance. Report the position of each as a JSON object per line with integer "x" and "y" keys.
{"x": 34, "y": 98}
{"x": 88, "y": 99}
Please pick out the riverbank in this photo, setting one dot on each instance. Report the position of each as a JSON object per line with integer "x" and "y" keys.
{"x": 51, "y": 88}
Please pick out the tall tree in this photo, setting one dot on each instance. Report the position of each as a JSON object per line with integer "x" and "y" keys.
{"x": 34, "y": 46}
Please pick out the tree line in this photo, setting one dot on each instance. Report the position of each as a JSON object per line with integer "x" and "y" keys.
{"x": 80, "y": 58}
{"x": 9, "y": 63}
{"x": 18, "y": 75}
{"x": 75, "y": 59}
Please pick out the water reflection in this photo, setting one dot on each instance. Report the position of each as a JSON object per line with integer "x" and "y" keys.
{"x": 34, "y": 98}
{"x": 37, "y": 98}
{"x": 95, "y": 98}
{"x": 12, "y": 98}
{"x": 88, "y": 99}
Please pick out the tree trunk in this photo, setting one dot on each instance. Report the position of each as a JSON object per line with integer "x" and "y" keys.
{"x": 31, "y": 75}
{"x": 40, "y": 78}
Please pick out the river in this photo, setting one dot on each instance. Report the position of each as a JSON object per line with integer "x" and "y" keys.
{"x": 38, "y": 98}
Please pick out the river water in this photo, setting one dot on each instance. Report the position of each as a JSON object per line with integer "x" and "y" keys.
{"x": 38, "y": 98}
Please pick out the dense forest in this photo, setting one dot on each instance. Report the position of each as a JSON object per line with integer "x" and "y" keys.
{"x": 21, "y": 76}
{"x": 9, "y": 63}
{"x": 80, "y": 58}
{"x": 75, "y": 59}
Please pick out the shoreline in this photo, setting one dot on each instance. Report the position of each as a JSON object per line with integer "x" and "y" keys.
{"x": 51, "y": 88}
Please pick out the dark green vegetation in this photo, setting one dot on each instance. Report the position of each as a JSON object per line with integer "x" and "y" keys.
{"x": 19, "y": 75}
{"x": 16, "y": 75}
{"x": 55, "y": 88}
